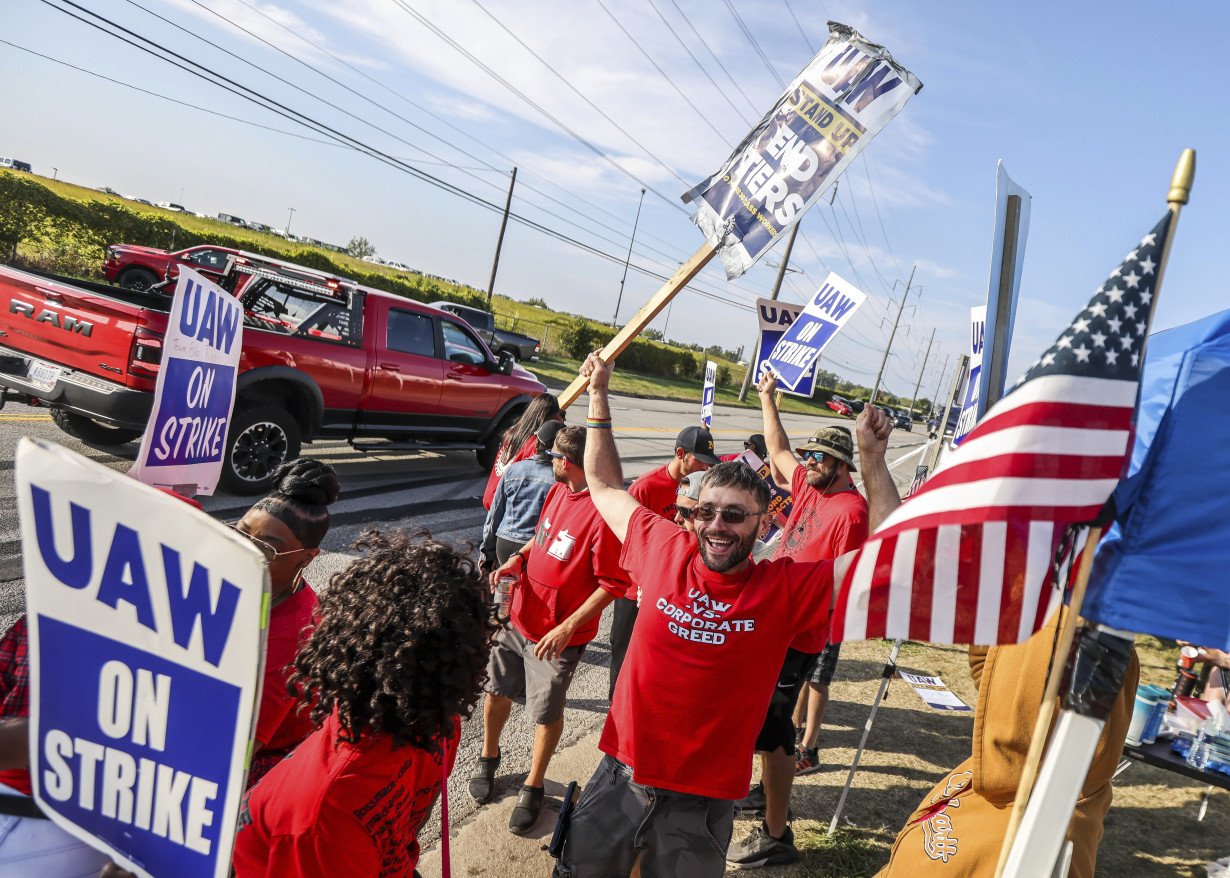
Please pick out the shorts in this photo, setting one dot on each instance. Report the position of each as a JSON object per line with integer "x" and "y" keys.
{"x": 676, "y": 835}
{"x": 778, "y": 729}
{"x": 823, "y": 674}
{"x": 513, "y": 669}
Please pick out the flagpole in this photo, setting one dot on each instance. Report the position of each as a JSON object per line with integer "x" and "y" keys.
{"x": 1180, "y": 192}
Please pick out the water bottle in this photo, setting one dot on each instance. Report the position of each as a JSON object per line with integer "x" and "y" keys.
{"x": 1198, "y": 755}
{"x": 503, "y": 592}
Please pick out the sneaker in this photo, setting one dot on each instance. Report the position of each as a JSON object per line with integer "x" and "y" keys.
{"x": 799, "y": 732}
{"x": 759, "y": 849}
{"x": 806, "y": 761}
{"x": 753, "y": 802}
{"x": 482, "y": 781}
{"x": 525, "y": 812}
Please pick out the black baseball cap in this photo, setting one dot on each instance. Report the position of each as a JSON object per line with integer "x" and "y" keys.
{"x": 699, "y": 442}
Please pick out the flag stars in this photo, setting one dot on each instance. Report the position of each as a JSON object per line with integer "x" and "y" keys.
{"x": 1048, "y": 358}
{"x": 1132, "y": 279}
{"x": 1080, "y": 324}
{"x": 1130, "y": 310}
{"x": 1114, "y": 294}
{"x": 1114, "y": 323}
{"x": 1140, "y": 328}
{"x": 1064, "y": 342}
{"x": 1148, "y": 240}
{"x": 1082, "y": 353}
{"x": 1131, "y": 257}
{"x": 1147, "y": 265}
{"x": 1125, "y": 342}
{"x": 1098, "y": 339}
{"x": 1097, "y": 309}
{"x": 1112, "y": 357}
{"x": 1146, "y": 297}
{"x": 1118, "y": 271}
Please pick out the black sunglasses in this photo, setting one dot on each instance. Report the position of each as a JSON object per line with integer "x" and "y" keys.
{"x": 684, "y": 512}
{"x": 730, "y": 514}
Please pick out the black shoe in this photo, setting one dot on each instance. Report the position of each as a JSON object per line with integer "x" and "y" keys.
{"x": 753, "y": 802}
{"x": 525, "y": 812}
{"x": 759, "y": 848}
{"x": 482, "y": 781}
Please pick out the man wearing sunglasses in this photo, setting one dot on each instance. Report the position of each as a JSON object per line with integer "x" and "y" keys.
{"x": 703, "y": 660}
{"x": 656, "y": 491}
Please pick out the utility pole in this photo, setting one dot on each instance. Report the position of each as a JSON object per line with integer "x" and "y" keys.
{"x": 935, "y": 396}
{"x": 291, "y": 217}
{"x": 628, "y": 259}
{"x": 926, "y": 356}
{"x": 499, "y": 242}
{"x": 884, "y": 361}
{"x": 55, "y": 173}
{"x": 777, "y": 288}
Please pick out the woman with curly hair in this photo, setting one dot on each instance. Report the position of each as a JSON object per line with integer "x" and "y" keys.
{"x": 520, "y": 442}
{"x": 287, "y": 526}
{"x": 397, "y": 659}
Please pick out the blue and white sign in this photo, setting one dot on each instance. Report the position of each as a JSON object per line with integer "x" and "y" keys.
{"x": 824, "y": 314}
{"x": 185, "y": 438}
{"x": 1005, "y": 188}
{"x": 842, "y": 99}
{"x": 780, "y": 500}
{"x": 970, "y": 400}
{"x": 775, "y": 318}
{"x": 933, "y": 692}
{"x": 707, "y": 395}
{"x": 147, "y": 646}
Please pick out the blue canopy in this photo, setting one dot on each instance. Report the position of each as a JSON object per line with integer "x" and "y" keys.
{"x": 1164, "y": 566}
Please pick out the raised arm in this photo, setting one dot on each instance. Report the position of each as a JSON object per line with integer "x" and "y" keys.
{"x": 602, "y": 469}
{"x": 781, "y": 458}
{"x": 873, "y": 429}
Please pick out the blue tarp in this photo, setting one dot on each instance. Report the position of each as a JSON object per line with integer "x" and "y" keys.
{"x": 1164, "y": 566}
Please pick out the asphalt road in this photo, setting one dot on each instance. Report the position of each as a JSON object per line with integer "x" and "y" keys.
{"x": 442, "y": 494}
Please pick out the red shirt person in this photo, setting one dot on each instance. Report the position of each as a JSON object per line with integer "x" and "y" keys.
{"x": 411, "y": 617}
{"x": 520, "y": 443}
{"x": 702, "y": 661}
{"x": 568, "y": 572}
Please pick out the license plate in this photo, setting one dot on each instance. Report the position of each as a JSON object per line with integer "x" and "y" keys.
{"x": 43, "y": 375}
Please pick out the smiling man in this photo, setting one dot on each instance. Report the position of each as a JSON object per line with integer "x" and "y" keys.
{"x": 702, "y": 662}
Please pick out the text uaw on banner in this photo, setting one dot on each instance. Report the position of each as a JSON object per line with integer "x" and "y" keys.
{"x": 971, "y": 402}
{"x": 708, "y": 393}
{"x": 843, "y": 98}
{"x": 775, "y": 318}
{"x": 146, "y": 653}
{"x": 825, "y": 313}
{"x": 185, "y": 438}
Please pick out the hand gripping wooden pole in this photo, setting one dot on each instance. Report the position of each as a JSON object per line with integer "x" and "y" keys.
{"x": 1180, "y": 190}
{"x": 673, "y": 286}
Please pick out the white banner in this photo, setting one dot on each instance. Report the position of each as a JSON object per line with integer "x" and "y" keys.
{"x": 970, "y": 401}
{"x": 185, "y": 437}
{"x": 1005, "y": 188}
{"x": 933, "y": 691}
{"x": 843, "y": 98}
{"x": 823, "y": 316}
{"x": 707, "y": 395}
{"x": 775, "y": 318}
{"x": 147, "y": 647}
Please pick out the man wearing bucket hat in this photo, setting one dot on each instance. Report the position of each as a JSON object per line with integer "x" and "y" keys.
{"x": 828, "y": 517}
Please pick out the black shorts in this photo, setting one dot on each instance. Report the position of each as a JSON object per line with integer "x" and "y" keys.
{"x": 778, "y": 729}
{"x": 827, "y": 665}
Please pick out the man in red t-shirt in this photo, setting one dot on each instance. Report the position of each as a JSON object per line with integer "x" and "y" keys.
{"x": 828, "y": 517}
{"x": 656, "y": 491}
{"x": 568, "y": 572}
{"x": 702, "y": 662}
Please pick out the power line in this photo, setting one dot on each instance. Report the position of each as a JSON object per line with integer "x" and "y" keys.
{"x": 688, "y": 21}
{"x": 752, "y": 39}
{"x": 802, "y": 32}
{"x": 876, "y": 203}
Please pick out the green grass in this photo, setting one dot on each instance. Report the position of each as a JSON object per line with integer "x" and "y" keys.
{"x": 847, "y": 853}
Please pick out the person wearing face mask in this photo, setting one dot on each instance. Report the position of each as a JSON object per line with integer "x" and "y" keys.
{"x": 828, "y": 518}
{"x": 705, "y": 652}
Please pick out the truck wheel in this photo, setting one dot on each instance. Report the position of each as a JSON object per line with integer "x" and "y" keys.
{"x": 137, "y": 279}
{"x": 487, "y": 454}
{"x": 261, "y": 438}
{"x": 91, "y": 431}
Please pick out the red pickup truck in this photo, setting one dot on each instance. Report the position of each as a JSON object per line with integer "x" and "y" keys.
{"x": 139, "y": 268}
{"x": 322, "y": 357}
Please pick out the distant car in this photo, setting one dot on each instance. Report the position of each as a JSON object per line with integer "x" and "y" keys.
{"x": 281, "y": 233}
{"x": 138, "y": 268}
{"x": 258, "y": 227}
{"x": 857, "y": 406}
{"x": 16, "y": 165}
{"x": 171, "y": 205}
{"x": 839, "y": 405}
{"x": 107, "y": 190}
{"x": 374, "y": 260}
{"x": 233, "y": 220}
{"x": 904, "y": 421}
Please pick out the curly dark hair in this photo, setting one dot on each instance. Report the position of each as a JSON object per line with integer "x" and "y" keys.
{"x": 401, "y": 642}
{"x": 302, "y": 492}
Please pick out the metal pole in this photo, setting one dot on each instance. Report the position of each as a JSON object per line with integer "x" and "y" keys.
{"x": 958, "y": 380}
{"x": 628, "y": 259}
{"x": 288, "y": 220}
{"x": 499, "y": 242}
{"x": 890, "y": 669}
{"x": 998, "y": 366}
{"x": 926, "y": 356}
{"x": 884, "y": 361}
{"x": 935, "y": 397}
{"x": 777, "y": 288}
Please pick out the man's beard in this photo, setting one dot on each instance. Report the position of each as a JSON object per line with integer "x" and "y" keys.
{"x": 822, "y": 479}
{"x": 740, "y": 552}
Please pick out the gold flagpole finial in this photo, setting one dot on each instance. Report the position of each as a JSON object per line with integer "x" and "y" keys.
{"x": 1184, "y": 174}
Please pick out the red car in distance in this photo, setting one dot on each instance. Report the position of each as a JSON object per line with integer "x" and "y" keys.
{"x": 138, "y": 268}
{"x": 840, "y": 405}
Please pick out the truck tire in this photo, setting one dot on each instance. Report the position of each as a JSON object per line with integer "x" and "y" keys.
{"x": 262, "y": 437}
{"x": 487, "y": 454}
{"x": 91, "y": 431}
{"x": 137, "y": 279}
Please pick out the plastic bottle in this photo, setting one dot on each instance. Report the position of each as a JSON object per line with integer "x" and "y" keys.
{"x": 1198, "y": 754}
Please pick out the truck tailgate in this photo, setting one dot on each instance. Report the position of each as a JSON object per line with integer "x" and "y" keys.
{"x": 70, "y": 326}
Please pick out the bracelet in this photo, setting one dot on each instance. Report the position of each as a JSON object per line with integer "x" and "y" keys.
{"x": 520, "y": 553}
{"x": 598, "y": 423}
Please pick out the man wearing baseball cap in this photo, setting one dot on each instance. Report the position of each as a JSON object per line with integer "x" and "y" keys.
{"x": 656, "y": 491}
{"x": 828, "y": 517}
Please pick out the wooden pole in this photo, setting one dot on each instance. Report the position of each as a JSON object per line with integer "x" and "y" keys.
{"x": 674, "y": 284}
{"x": 777, "y": 288}
{"x": 1180, "y": 191}
{"x": 499, "y": 241}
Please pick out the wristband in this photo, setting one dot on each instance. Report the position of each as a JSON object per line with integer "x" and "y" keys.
{"x": 520, "y": 553}
{"x": 598, "y": 423}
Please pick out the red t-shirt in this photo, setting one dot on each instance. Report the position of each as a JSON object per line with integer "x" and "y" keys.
{"x": 573, "y": 553}
{"x": 526, "y": 451}
{"x": 821, "y": 527}
{"x": 279, "y": 723}
{"x": 705, "y": 654}
{"x": 332, "y": 809}
{"x": 656, "y": 491}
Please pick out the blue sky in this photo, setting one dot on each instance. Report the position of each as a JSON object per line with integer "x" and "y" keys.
{"x": 1088, "y": 105}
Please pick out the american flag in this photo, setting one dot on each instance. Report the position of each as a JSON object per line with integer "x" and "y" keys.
{"x": 968, "y": 558}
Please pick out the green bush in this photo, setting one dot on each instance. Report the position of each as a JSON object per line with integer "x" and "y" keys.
{"x": 578, "y": 337}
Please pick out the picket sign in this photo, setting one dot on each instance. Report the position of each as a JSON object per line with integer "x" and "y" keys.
{"x": 708, "y": 393}
{"x": 147, "y": 623}
{"x": 775, "y": 318}
{"x": 825, "y": 313}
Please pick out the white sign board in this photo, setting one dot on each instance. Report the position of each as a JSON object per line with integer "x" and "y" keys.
{"x": 775, "y": 318}
{"x": 185, "y": 438}
{"x": 707, "y": 395}
{"x": 147, "y": 646}
{"x": 933, "y": 691}
{"x": 823, "y": 316}
{"x": 970, "y": 408}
